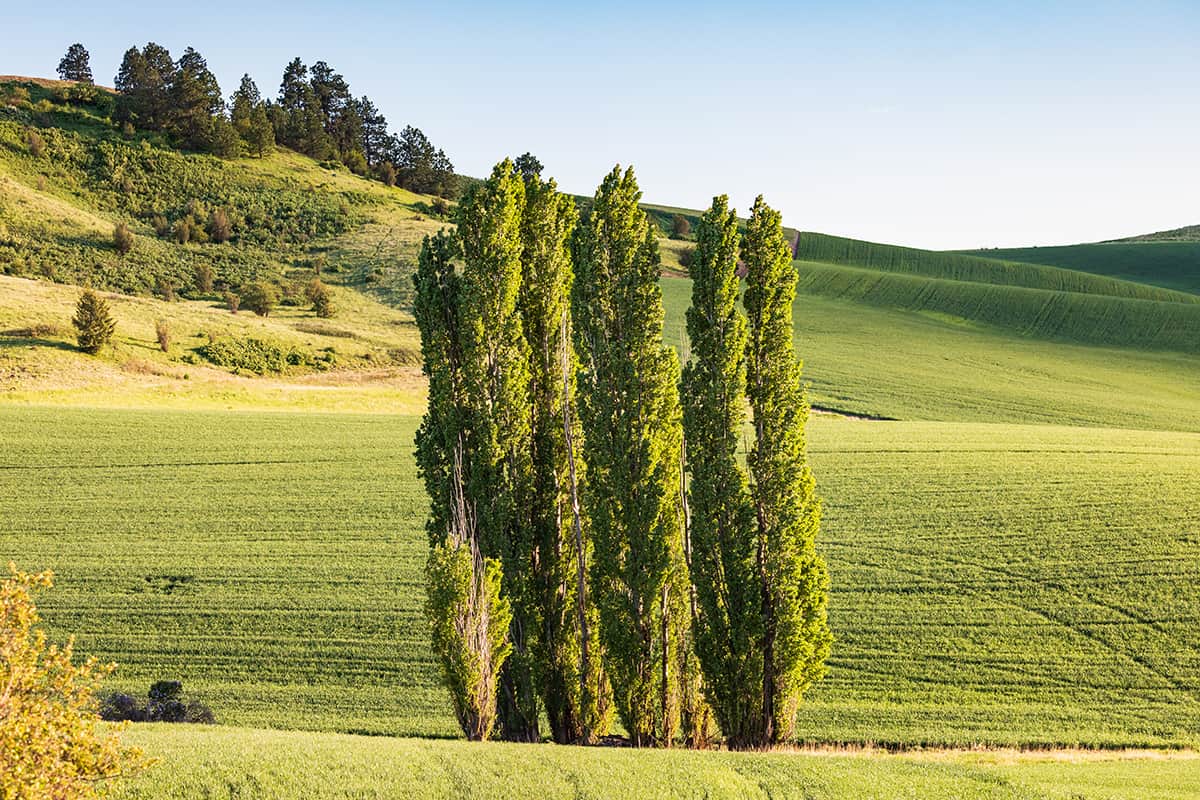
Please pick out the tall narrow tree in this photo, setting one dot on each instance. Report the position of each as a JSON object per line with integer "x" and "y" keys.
{"x": 496, "y": 360}
{"x": 469, "y": 619}
{"x": 629, "y": 407}
{"x": 792, "y": 578}
{"x": 729, "y": 623}
{"x": 567, "y": 664}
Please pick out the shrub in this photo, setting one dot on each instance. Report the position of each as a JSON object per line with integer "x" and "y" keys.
{"x": 50, "y": 745}
{"x": 94, "y": 326}
{"x": 127, "y": 129}
{"x": 219, "y": 229}
{"x": 37, "y": 145}
{"x": 161, "y": 227}
{"x": 322, "y": 302}
{"x": 680, "y": 227}
{"x": 165, "y": 703}
{"x": 163, "y": 332}
{"x": 232, "y": 301}
{"x": 254, "y": 355}
{"x": 386, "y": 173}
{"x": 687, "y": 256}
{"x": 122, "y": 238}
{"x": 166, "y": 289}
{"x": 204, "y": 278}
{"x": 260, "y": 297}
{"x": 440, "y": 207}
{"x": 183, "y": 231}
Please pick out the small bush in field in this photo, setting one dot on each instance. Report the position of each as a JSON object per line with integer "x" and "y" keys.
{"x": 260, "y": 297}
{"x": 219, "y": 227}
{"x": 166, "y": 290}
{"x": 122, "y": 238}
{"x": 94, "y": 326}
{"x": 163, "y": 331}
{"x": 183, "y": 231}
{"x": 322, "y": 302}
{"x": 254, "y": 355}
{"x": 204, "y": 278}
{"x": 37, "y": 145}
{"x": 232, "y": 302}
{"x": 440, "y": 207}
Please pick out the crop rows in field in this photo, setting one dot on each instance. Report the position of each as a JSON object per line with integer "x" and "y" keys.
{"x": 971, "y": 267}
{"x": 1171, "y": 265}
{"x": 891, "y": 363}
{"x": 990, "y": 583}
{"x": 1036, "y": 313}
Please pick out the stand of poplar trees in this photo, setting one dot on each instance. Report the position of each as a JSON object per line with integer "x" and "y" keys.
{"x": 583, "y": 560}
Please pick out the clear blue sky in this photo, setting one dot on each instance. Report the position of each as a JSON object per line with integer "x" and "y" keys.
{"x": 933, "y": 124}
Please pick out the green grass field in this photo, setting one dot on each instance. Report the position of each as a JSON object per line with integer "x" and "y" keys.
{"x": 1169, "y": 264}
{"x": 232, "y": 763}
{"x": 1033, "y": 587}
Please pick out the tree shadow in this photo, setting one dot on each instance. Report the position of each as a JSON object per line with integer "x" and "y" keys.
{"x": 10, "y": 340}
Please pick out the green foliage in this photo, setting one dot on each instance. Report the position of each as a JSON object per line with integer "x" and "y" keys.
{"x": 468, "y": 615}
{"x": 793, "y": 578}
{"x": 270, "y": 217}
{"x": 76, "y": 65}
{"x": 567, "y": 659}
{"x": 260, "y": 297}
{"x": 318, "y": 294}
{"x": 470, "y": 623}
{"x": 219, "y": 227}
{"x": 496, "y": 380}
{"x": 94, "y": 326}
{"x": 257, "y": 356}
{"x": 629, "y": 407}
{"x": 723, "y": 544}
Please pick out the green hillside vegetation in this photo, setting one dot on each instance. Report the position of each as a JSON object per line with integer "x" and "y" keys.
{"x": 1038, "y": 313}
{"x": 279, "y": 764}
{"x": 273, "y": 563}
{"x": 1171, "y": 264}
{"x": 816, "y": 247}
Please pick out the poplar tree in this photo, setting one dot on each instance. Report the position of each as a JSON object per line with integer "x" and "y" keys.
{"x": 723, "y": 553}
{"x": 629, "y": 407}
{"x": 496, "y": 373}
{"x": 469, "y": 619}
{"x": 792, "y": 578}
{"x": 567, "y": 657}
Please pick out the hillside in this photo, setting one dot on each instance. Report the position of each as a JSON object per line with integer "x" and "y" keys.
{"x": 1167, "y": 263}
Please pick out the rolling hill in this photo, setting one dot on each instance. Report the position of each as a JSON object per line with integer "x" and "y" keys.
{"x": 1170, "y": 260}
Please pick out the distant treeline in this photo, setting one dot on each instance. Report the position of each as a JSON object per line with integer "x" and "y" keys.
{"x": 315, "y": 114}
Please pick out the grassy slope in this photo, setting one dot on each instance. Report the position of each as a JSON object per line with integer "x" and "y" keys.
{"x": 247, "y": 763}
{"x": 273, "y": 563}
{"x": 932, "y": 366}
{"x": 1170, "y": 264}
{"x": 959, "y": 267}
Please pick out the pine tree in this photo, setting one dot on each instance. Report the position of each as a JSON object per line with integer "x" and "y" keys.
{"x": 195, "y": 98}
{"x": 94, "y": 326}
{"x": 792, "y": 578}
{"x": 248, "y": 114}
{"x": 144, "y": 82}
{"x": 567, "y": 666}
{"x": 76, "y": 65}
{"x": 469, "y": 619}
{"x": 496, "y": 369}
{"x": 723, "y": 553}
{"x": 629, "y": 407}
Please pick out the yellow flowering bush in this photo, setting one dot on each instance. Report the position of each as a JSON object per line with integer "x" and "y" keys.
{"x": 51, "y": 742}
